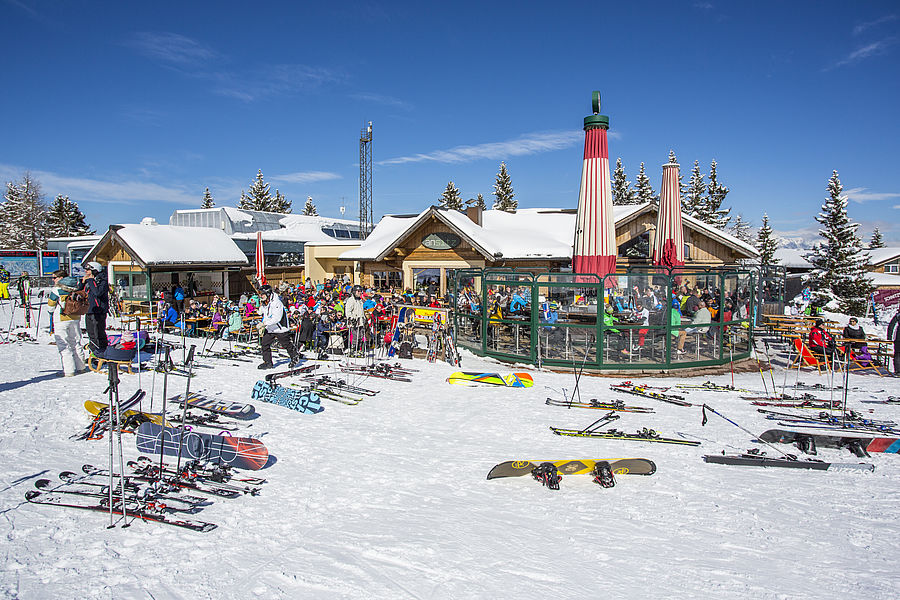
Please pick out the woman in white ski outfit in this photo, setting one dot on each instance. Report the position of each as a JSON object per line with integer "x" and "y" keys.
{"x": 66, "y": 328}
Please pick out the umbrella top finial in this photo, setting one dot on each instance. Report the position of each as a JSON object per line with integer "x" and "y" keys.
{"x": 596, "y": 120}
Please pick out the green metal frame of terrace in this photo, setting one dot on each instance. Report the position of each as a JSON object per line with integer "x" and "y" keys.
{"x": 562, "y": 323}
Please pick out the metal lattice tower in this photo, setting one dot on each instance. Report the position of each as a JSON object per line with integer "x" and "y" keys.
{"x": 365, "y": 181}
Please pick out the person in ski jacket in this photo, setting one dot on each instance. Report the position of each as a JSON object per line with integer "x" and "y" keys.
{"x": 893, "y": 332}
{"x": 820, "y": 341}
{"x": 94, "y": 282}
{"x": 235, "y": 323}
{"x": 274, "y": 326}
{"x": 66, "y": 328}
{"x": 355, "y": 314}
{"x": 24, "y": 287}
{"x": 4, "y": 282}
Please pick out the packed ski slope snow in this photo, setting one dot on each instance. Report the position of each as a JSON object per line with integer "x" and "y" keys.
{"x": 388, "y": 499}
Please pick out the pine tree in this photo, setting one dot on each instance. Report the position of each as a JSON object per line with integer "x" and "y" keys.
{"x": 766, "y": 243}
{"x": 839, "y": 262}
{"x": 280, "y": 204}
{"x": 621, "y": 187}
{"x": 503, "y": 191}
{"x": 451, "y": 199}
{"x": 643, "y": 191}
{"x": 877, "y": 239}
{"x": 477, "y": 201}
{"x": 258, "y": 196}
{"x": 208, "y": 201}
{"x": 694, "y": 200}
{"x": 309, "y": 209}
{"x": 65, "y": 219}
{"x": 23, "y": 216}
{"x": 716, "y": 192}
{"x": 741, "y": 230}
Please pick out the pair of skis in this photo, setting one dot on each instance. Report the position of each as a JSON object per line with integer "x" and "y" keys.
{"x": 644, "y": 391}
{"x": 642, "y": 435}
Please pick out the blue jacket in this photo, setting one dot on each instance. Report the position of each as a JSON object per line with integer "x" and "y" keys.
{"x": 98, "y": 294}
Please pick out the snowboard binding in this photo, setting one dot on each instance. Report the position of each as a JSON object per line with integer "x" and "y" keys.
{"x": 603, "y": 475}
{"x": 807, "y": 444}
{"x": 547, "y": 474}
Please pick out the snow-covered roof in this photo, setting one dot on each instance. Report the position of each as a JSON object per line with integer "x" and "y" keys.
{"x": 306, "y": 228}
{"x": 884, "y": 279}
{"x": 153, "y": 245}
{"x": 528, "y": 233}
{"x": 882, "y": 255}
{"x": 792, "y": 258}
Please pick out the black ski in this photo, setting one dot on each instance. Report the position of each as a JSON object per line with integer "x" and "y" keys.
{"x": 759, "y": 460}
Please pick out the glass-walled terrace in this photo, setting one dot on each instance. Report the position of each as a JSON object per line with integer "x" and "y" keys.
{"x": 641, "y": 319}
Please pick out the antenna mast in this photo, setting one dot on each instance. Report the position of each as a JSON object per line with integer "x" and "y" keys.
{"x": 365, "y": 181}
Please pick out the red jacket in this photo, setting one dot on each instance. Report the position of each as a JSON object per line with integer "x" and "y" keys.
{"x": 819, "y": 337}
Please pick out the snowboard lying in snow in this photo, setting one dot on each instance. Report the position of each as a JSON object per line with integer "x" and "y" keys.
{"x": 472, "y": 378}
{"x": 235, "y": 410}
{"x": 241, "y": 453}
{"x": 577, "y": 466}
{"x": 94, "y": 408}
{"x": 807, "y": 442}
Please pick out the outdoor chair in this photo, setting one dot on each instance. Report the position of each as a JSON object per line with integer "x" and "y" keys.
{"x": 806, "y": 358}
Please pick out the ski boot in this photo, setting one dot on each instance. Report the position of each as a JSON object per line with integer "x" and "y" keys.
{"x": 858, "y": 449}
{"x": 603, "y": 475}
{"x": 547, "y": 474}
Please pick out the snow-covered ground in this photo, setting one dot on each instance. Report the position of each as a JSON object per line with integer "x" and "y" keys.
{"x": 388, "y": 499}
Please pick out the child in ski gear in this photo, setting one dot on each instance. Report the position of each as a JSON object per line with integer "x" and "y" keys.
{"x": 66, "y": 328}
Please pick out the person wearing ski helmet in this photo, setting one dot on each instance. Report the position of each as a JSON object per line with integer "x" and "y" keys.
{"x": 94, "y": 281}
{"x": 355, "y": 315}
{"x": 274, "y": 326}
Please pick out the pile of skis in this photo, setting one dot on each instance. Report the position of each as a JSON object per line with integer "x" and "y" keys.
{"x": 394, "y": 372}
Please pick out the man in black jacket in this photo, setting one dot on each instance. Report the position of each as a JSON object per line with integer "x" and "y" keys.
{"x": 893, "y": 332}
{"x": 94, "y": 281}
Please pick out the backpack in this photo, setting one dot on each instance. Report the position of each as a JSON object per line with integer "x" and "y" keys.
{"x": 405, "y": 350}
{"x": 76, "y": 304}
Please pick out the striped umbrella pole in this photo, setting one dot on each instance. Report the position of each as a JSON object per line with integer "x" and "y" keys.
{"x": 260, "y": 260}
{"x": 594, "y": 250}
{"x": 668, "y": 246}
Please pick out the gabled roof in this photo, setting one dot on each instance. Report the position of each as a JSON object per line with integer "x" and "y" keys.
{"x": 879, "y": 256}
{"x": 529, "y": 233}
{"x": 155, "y": 245}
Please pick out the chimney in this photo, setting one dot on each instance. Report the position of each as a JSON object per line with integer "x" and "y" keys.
{"x": 474, "y": 213}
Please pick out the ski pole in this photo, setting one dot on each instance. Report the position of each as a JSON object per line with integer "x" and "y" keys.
{"x": 113, "y": 381}
{"x": 187, "y": 394}
{"x": 137, "y": 348}
{"x": 608, "y": 418}
{"x": 711, "y": 409}
{"x": 37, "y": 324}
{"x": 771, "y": 368}
{"x": 162, "y": 437}
{"x": 118, "y": 422}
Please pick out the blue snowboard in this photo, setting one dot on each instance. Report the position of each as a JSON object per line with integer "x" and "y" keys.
{"x": 241, "y": 453}
{"x": 304, "y": 402}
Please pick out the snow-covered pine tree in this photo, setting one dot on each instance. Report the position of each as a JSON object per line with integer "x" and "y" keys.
{"x": 877, "y": 239}
{"x": 741, "y": 229}
{"x": 23, "y": 215}
{"x": 451, "y": 199}
{"x": 503, "y": 191}
{"x": 258, "y": 196}
{"x": 280, "y": 204}
{"x": 643, "y": 190}
{"x": 715, "y": 195}
{"x": 682, "y": 189}
{"x": 621, "y": 187}
{"x": 65, "y": 219}
{"x": 839, "y": 261}
{"x": 309, "y": 209}
{"x": 208, "y": 201}
{"x": 766, "y": 243}
{"x": 693, "y": 202}
{"x": 477, "y": 201}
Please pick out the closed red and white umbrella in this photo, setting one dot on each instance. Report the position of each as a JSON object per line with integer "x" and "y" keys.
{"x": 668, "y": 247}
{"x": 260, "y": 260}
{"x": 594, "y": 250}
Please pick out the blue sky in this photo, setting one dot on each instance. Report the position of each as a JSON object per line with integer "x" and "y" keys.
{"x": 134, "y": 109}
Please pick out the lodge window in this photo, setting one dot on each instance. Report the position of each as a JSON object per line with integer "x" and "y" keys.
{"x": 636, "y": 247}
{"x": 383, "y": 280}
{"x": 892, "y": 267}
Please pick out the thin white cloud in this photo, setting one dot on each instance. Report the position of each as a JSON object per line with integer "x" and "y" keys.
{"x": 860, "y": 195}
{"x": 874, "y": 49}
{"x": 532, "y": 143}
{"x": 864, "y": 26}
{"x": 306, "y": 177}
{"x": 380, "y": 99}
{"x": 171, "y": 48}
{"x": 83, "y": 190}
